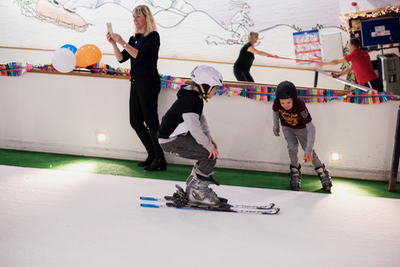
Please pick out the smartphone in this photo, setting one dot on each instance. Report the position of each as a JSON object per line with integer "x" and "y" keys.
{"x": 109, "y": 27}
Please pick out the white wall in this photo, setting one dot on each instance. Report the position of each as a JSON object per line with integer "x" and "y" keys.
{"x": 303, "y": 76}
{"x": 59, "y": 113}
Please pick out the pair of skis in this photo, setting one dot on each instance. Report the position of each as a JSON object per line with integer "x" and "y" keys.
{"x": 177, "y": 202}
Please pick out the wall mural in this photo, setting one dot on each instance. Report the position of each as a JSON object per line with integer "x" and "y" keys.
{"x": 193, "y": 29}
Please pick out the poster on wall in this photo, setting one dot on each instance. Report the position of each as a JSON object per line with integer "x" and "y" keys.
{"x": 307, "y": 46}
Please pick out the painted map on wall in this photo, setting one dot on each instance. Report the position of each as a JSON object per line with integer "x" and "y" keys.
{"x": 193, "y": 29}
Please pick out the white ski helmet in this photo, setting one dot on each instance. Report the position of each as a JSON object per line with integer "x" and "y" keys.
{"x": 206, "y": 77}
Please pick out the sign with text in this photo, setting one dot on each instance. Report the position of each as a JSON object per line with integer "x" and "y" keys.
{"x": 307, "y": 45}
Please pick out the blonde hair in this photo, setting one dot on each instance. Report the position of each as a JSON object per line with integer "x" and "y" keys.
{"x": 144, "y": 10}
{"x": 252, "y": 36}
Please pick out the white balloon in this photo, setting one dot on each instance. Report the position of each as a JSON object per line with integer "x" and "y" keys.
{"x": 63, "y": 60}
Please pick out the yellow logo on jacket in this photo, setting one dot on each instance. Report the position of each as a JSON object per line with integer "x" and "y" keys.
{"x": 290, "y": 118}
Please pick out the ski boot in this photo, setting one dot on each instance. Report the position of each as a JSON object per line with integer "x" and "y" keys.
{"x": 295, "y": 181}
{"x": 198, "y": 191}
{"x": 326, "y": 180}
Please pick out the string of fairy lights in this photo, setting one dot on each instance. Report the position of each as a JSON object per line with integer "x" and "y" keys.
{"x": 345, "y": 18}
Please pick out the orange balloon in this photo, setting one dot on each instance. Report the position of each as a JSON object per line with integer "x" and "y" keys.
{"x": 87, "y": 55}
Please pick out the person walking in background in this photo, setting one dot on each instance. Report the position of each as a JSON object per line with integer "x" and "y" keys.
{"x": 142, "y": 50}
{"x": 241, "y": 68}
{"x": 360, "y": 64}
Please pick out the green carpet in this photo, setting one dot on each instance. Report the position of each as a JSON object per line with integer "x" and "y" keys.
{"x": 175, "y": 172}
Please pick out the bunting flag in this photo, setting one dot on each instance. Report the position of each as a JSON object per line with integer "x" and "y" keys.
{"x": 317, "y": 95}
{"x": 258, "y": 93}
{"x": 357, "y": 96}
{"x": 223, "y": 90}
{"x": 107, "y": 69}
{"x": 19, "y": 68}
{"x": 45, "y": 67}
{"x": 15, "y": 68}
{"x": 171, "y": 82}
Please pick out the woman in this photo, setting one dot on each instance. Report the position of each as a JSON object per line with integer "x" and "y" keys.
{"x": 142, "y": 50}
{"x": 242, "y": 66}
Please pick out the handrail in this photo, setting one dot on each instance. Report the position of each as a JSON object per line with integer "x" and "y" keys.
{"x": 182, "y": 59}
{"x": 230, "y": 84}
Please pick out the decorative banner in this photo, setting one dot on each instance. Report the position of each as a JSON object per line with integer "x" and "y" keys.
{"x": 258, "y": 93}
{"x": 19, "y": 68}
{"x": 45, "y": 67}
{"x": 107, "y": 69}
{"x": 223, "y": 90}
{"x": 357, "y": 96}
{"x": 317, "y": 95}
{"x": 168, "y": 81}
{"x": 15, "y": 68}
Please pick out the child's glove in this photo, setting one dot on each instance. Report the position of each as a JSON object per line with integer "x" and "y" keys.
{"x": 307, "y": 158}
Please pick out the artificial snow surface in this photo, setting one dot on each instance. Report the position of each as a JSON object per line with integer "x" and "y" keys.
{"x": 56, "y": 218}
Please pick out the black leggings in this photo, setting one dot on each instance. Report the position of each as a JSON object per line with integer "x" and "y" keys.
{"x": 242, "y": 76}
{"x": 143, "y": 102}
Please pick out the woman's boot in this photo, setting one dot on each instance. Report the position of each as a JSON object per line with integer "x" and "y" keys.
{"x": 144, "y": 136}
{"x": 159, "y": 162}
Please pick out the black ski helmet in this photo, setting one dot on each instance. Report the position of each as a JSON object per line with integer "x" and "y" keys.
{"x": 286, "y": 90}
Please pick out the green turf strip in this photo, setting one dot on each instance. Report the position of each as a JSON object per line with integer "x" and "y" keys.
{"x": 175, "y": 172}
